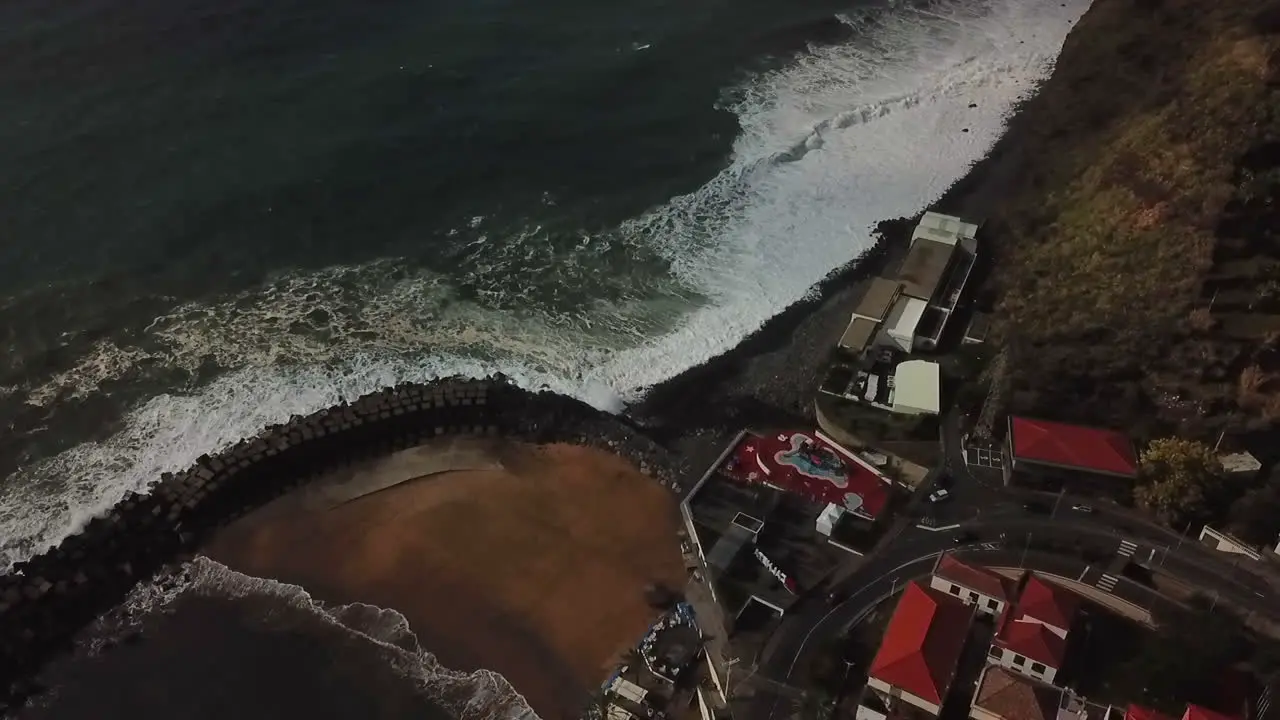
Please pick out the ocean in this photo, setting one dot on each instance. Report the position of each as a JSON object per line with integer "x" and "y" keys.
{"x": 220, "y": 214}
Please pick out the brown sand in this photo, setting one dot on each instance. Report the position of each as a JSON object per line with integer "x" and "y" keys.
{"x": 535, "y": 569}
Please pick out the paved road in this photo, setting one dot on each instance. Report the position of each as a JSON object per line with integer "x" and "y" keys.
{"x": 1001, "y": 531}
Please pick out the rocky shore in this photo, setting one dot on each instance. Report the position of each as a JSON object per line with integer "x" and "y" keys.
{"x": 45, "y": 601}
{"x": 769, "y": 379}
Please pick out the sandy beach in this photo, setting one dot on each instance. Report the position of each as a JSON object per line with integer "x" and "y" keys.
{"x": 529, "y": 561}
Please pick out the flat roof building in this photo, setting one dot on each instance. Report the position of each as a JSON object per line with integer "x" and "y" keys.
{"x": 877, "y": 299}
{"x": 924, "y": 267}
{"x": 858, "y": 336}
{"x": 917, "y": 388}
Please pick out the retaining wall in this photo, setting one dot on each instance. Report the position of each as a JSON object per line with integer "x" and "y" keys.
{"x": 46, "y": 600}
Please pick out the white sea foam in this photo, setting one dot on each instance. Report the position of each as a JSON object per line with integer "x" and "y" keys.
{"x": 478, "y": 695}
{"x": 840, "y": 139}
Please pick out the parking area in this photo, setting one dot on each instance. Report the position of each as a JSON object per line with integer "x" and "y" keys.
{"x": 984, "y": 457}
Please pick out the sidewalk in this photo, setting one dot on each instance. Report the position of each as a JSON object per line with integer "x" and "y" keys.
{"x": 1124, "y": 608}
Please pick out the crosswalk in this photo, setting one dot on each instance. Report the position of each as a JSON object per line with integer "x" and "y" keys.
{"x": 1127, "y": 548}
{"x": 1107, "y": 582}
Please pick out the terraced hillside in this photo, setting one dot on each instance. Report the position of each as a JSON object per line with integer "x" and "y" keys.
{"x": 1138, "y": 259}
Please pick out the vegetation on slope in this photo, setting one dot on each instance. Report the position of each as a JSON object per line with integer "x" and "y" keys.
{"x": 1137, "y": 279}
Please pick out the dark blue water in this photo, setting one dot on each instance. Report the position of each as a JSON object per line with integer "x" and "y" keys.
{"x": 218, "y": 214}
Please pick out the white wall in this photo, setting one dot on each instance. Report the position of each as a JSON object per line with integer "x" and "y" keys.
{"x": 1223, "y": 542}
{"x": 895, "y": 694}
{"x": 986, "y": 603}
{"x": 1009, "y": 659}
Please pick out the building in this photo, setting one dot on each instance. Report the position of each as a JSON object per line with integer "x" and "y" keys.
{"x": 976, "y": 332}
{"x": 1004, "y": 695}
{"x": 933, "y": 276}
{"x": 988, "y": 592}
{"x": 765, "y": 518}
{"x": 917, "y": 388}
{"x": 1031, "y": 636}
{"x": 1242, "y": 465}
{"x": 909, "y": 310}
{"x": 917, "y": 659}
{"x": 1057, "y": 456}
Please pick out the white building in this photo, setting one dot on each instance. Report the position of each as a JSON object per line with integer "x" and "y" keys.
{"x": 828, "y": 518}
{"x": 1031, "y": 636}
{"x": 988, "y": 592}
{"x": 917, "y": 388}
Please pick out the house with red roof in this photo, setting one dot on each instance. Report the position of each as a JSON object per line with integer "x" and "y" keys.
{"x": 1031, "y": 636}
{"x": 989, "y": 592}
{"x": 917, "y": 659}
{"x": 1055, "y": 456}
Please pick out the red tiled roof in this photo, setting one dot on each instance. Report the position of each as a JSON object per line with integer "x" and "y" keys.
{"x": 1138, "y": 712}
{"x": 974, "y": 577}
{"x": 922, "y": 643}
{"x": 1033, "y": 641}
{"x": 1199, "y": 712}
{"x": 1046, "y": 603}
{"x": 1011, "y": 697}
{"x": 1073, "y": 446}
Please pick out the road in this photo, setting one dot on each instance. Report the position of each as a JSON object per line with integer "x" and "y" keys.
{"x": 1003, "y": 532}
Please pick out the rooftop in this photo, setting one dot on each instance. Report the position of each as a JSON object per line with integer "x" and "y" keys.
{"x": 858, "y": 335}
{"x": 978, "y": 325}
{"x": 923, "y": 643}
{"x": 924, "y": 267}
{"x": 1031, "y": 640}
{"x": 1013, "y": 697}
{"x": 808, "y": 465}
{"x": 877, "y": 299}
{"x": 974, "y": 577}
{"x": 1199, "y": 712}
{"x": 918, "y": 386}
{"x": 1138, "y": 712}
{"x": 1241, "y": 462}
{"x": 944, "y": 227}
{"x": 1047, "y": 603}
{"x": 1072, "y": 446}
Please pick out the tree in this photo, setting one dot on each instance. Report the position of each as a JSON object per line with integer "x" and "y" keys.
{"x": 1176, "y": 476}
{"x": 1255, "y": 516}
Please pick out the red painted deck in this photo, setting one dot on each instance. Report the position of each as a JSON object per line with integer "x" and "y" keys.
{"x": 803, "y": 463}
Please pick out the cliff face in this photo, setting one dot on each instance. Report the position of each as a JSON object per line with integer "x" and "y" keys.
{"x": 1137, "y": 278}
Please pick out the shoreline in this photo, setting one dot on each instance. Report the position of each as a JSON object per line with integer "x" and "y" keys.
{"x": 772, "y": 375}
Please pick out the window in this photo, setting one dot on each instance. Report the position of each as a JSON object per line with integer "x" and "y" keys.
{"x": 1019, "y": 660}
{"x": 992, "y": 604}
{"x": 994, "y": 651}
{"x": 955, "y": 590}
{"x": 973, "y": 597}
{"x": 1038, "y": 668}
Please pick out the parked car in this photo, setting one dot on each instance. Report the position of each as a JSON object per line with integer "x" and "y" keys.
{"x": 943, "y": 481}
{"x": 835, "y": 597}
{"x": 1035, "y": 507}
{"x": 1082, "y": 508}
{"x": 940, "y": 495}
{"x": 964, "y": 537}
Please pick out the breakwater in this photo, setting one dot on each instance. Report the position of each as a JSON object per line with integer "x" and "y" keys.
{"x": 47, "y": 600}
